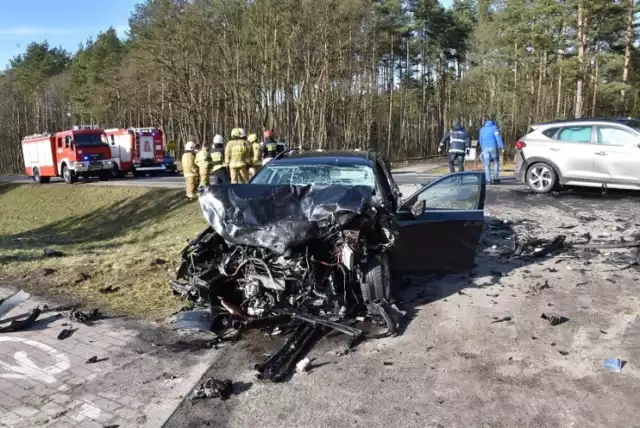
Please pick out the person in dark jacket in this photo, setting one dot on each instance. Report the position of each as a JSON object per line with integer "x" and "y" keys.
{"x": 459, "y": 143}
{"x": 491, "y": 143}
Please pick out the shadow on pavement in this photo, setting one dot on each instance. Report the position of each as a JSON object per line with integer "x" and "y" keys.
{"x": 419, "y": 290}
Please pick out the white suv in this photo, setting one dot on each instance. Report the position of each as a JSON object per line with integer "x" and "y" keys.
{"x": 581, "y": 152}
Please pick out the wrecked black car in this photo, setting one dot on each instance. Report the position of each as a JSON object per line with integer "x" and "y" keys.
{"x": 322, "y": 239}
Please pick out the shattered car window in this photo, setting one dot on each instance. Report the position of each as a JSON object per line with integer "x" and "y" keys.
{"x": 452, "y": 193}
{"x": 327, "y": 175}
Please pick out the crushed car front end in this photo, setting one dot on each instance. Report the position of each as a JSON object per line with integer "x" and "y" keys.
{"x": 277, "y": 252}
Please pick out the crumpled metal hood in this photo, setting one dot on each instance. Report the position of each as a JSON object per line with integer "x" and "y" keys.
{"x": 281, "y": 217}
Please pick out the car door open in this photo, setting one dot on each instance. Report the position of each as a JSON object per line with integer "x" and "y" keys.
{"x": 444, "y": 229}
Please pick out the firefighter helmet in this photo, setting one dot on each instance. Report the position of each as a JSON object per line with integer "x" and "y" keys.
{"x": 238, "y": 133}
{"x": 190, "y": 146}
{"x": 252, "y": 138}
{"x": 217, "y": 140}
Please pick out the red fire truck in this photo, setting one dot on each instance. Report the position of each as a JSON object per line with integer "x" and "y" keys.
{"x": 81, "y": 151}
{"x": 136, "y": 150}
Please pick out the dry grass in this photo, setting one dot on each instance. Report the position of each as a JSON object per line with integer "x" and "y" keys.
{"x": 124, "y": 237}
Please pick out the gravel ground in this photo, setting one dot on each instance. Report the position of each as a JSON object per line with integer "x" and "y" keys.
{"x": 453, "y": 366}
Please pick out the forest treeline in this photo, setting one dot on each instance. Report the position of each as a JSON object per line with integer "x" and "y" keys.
{"x": 391, "y": 75}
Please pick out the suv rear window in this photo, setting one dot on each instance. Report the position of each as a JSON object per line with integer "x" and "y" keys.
{"x": 550, "y": 132}
{"x": 576, "y": 134}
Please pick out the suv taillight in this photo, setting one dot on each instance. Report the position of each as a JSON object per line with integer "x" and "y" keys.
{"x": 520, "y": 145}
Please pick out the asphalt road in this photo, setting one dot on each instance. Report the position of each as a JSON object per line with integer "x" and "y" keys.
{"x": 409, "y": 175}
{"x": 474, "y": 350}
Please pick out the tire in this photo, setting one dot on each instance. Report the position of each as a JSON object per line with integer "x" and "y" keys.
{"x": 103, "y": 176}
{"x": 36, "y": 176}
{"x": 68, "y": 175}
{"x": 116, "y": 173}
{"x": 377, "y": 283}
{"x": 541, "y": 177}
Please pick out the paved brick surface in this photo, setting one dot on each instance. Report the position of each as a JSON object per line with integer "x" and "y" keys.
{"x": 46, "y": 382}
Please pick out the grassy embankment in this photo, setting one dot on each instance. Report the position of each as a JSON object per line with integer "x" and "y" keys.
{"x": 119, "y": 236}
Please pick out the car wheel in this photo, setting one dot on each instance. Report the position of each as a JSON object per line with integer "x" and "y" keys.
{"x": 377, "y": 283}
{"x": 541, "y": 178}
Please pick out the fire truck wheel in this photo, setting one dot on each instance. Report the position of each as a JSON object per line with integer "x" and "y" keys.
{"x": 115, "y": 172}
{"x": 38, "y": 178}
{"x": 68, "y": 175}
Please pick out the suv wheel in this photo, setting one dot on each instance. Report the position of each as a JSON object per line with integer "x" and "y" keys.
{"x": 541, "y": 178}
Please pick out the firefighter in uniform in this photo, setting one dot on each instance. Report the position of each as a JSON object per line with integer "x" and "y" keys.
{"x": 219, "y": 169}
{"x": 190, "y": 170}
{"x": 270, "y": 146}
{"x": 256, "y": 154}
{"x": 237, "y": 157}
{"x": 203, "y": 162}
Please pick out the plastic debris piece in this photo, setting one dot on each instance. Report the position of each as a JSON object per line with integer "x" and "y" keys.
{"x": 554, "y": 319}
{"x": 503, "y": 319}
{"x": 303, "y": 365}
{"x": 613, "y": 365}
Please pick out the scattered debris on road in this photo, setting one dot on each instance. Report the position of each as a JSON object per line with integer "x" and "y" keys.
{"x": 614, "y": 365}
{"x": 65, "y": 333}
{"x": 303, "y": 365}
{"x": 212, "y": 388}
{"x": 554, "y": 319}
{"x": 503, "y": 319}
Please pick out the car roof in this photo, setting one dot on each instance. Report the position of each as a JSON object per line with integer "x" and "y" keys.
{"x": 629, "y": 121}
{"x": 336, "y": 157}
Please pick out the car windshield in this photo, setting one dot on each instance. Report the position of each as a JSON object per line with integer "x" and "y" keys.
{"x": 89, "y": 140}
{"x": 353, "y": 175}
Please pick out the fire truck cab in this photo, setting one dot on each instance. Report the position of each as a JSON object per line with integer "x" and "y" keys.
{"x": 81, "y": 151}
{"x": 136, "y": 150}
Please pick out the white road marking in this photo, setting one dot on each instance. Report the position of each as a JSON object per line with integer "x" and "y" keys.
{"x": 27, "y": 369}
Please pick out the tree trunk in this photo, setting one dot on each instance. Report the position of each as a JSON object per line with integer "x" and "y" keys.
{"x": 581, "y": 50}
{"x": 627, "y": 52}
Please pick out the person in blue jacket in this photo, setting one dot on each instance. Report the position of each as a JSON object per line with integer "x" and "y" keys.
{"x": 491, "y": 143}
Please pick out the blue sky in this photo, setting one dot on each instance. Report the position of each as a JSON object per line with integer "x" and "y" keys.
{"x": 63, "y": 23}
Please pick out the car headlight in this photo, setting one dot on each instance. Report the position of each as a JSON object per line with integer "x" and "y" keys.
{"x": 108, "y": 163}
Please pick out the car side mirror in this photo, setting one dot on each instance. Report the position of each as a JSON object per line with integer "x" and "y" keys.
{"x": 418, "y": 208}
